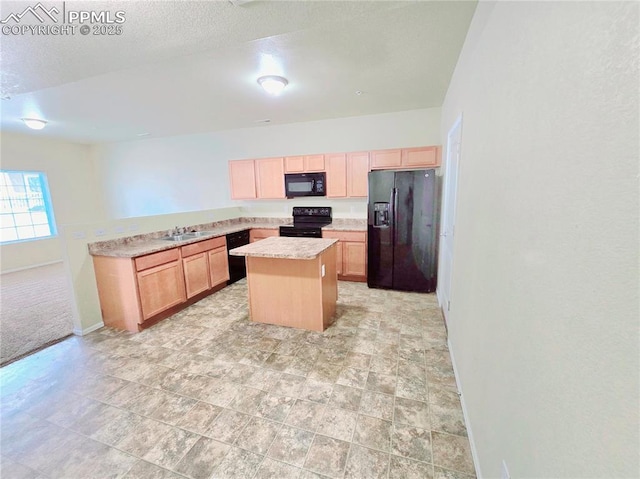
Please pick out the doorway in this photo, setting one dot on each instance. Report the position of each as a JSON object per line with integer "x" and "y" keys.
{"x": 447, "y": 229}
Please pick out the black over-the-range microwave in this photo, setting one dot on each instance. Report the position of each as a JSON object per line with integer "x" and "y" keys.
{"x": 305, "y": 184}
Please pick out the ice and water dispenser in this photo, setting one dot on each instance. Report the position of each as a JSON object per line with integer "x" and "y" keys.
{"x": 381, "y": 216}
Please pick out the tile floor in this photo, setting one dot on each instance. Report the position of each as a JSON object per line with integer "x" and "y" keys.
{"x": 209, "y": 394}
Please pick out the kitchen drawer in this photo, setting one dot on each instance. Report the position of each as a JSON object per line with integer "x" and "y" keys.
{"x": 202, "y": 246}
{"x": 156, "y": 259}
{"x": 353, "y": 236}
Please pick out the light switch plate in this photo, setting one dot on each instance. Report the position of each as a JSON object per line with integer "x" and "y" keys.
{"x": 323, "y": 271}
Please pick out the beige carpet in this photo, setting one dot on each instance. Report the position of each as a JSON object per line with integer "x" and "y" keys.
{"x": 35, "y": 310}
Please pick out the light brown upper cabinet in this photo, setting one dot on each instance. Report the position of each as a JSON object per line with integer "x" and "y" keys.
{"x": 428, "y": 156}
{"x": 336, "y": 175}
{"x": 422, "y": 157}
{"x": 347, "y": 173}
{"x": 386, "y": 159}
{"x": 294, "y": 164}
{"x": 303, "y": 164}
{"x": 270, "y": 177}
{"x": 314, "y": 163}
{"x": 243, "y": 179}
{"x": 357, "y": 174}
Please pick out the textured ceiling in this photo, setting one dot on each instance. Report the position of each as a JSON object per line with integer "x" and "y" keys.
{"x": 183, "y": 67}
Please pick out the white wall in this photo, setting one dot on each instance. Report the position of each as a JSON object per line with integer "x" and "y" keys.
{"x": 72, "y": 185}
{"x": 188, "y": 173}
{"x": 544, "y": 303}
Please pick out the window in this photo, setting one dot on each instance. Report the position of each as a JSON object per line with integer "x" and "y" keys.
{"x": 25, "y": 206}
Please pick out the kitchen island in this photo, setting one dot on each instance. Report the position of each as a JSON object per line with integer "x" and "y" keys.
{"x": 292, "y": 281}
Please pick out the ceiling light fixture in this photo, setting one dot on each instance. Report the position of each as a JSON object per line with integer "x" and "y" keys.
{"x": 34, "y": 123}
{"x": 273, "y": 84}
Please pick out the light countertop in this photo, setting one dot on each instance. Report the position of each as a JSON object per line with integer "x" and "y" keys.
{"x": 285, "y": 248}
{"x": 152, "y": 243}
{"x": 134, "y": 246}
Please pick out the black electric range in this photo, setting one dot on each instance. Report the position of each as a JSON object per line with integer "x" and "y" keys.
{"x": 307, "y": 222}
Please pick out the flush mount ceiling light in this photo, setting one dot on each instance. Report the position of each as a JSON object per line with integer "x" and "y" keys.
{"x": 273, "y": 84}
{"x": 34, "y": 123}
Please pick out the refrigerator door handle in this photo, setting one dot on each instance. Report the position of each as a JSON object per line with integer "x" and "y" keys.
{"x": 394, "y": 212}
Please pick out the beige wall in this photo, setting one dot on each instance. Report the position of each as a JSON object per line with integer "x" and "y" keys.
{"x": 73, "y": 191}
{"x": 544, "y": 301}
{"x": 187, "y": 173}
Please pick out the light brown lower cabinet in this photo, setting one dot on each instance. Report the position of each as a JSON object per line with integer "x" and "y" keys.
{"x": 196, "y": 273}
{"x": 161, "y": 288}
{"x": 354, "y": 259}
{"x": 339, "y": 249}
{"x": 205, "y": 265}
{"x": 351, "y": 254}
{"x": 218, "y": 266}
{"x": 136, "y": 292}
{"x": 256, "y": 234}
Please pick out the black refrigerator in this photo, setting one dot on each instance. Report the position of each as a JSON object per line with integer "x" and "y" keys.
{"x": 403, "y": 217}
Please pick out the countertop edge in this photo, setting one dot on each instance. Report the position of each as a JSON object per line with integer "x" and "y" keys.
{"x": 291, "y": 256}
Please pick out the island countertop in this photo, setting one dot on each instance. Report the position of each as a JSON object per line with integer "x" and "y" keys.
{"x": 285, "y": 248}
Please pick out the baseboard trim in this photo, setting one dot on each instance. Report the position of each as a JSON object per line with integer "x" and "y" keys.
{"x": 90, "y": 329}
{"x": 467, "y": 421}
{"x": 32, "y": 266}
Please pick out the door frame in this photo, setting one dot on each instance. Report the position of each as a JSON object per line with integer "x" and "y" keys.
{"x": 449, "y": 184}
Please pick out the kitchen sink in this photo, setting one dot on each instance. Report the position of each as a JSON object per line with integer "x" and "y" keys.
{"x": 178, "y": 237}
{"x": 186, "y": 236}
